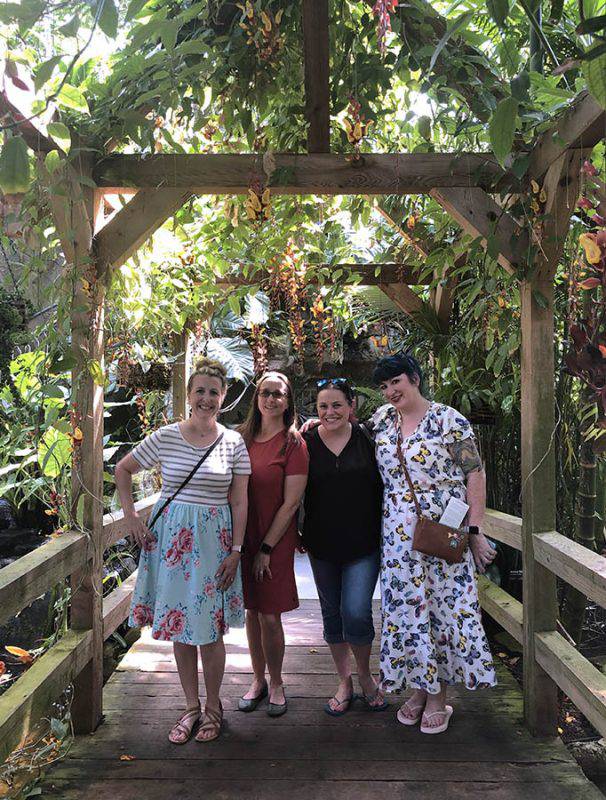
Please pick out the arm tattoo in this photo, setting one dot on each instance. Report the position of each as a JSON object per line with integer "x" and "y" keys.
{"x": 465, "y": 454}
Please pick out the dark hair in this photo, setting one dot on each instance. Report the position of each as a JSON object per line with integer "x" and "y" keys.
{"x": 210, "y": 367}
{"x": 399, "y": 364}
{"x": 340, "y": 384}
{"x": 252, "y": 424}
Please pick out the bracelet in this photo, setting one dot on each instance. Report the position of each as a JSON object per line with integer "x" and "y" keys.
{"x": 237, "y": 548}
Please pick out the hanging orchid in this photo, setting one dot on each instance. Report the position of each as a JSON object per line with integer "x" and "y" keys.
{"x": 382, "y": 10}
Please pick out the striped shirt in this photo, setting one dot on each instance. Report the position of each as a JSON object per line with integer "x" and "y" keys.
{"x": 176, "y": 457}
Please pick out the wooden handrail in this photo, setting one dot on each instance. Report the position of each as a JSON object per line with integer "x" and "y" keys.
{"x": 113, "y": 527}
{"x": 577, "y": 565}
{"x": 504, "y": 528}
{"x": 501, "y": 606}
{"x": 117, "y": 604}
{"x": 33, "y": 574}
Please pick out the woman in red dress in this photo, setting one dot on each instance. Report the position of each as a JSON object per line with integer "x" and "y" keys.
{"x": 279, "y": 463}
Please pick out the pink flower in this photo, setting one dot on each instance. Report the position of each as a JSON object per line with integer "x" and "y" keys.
{"x": 173, "y": 556}
{"x": 149, "y": 544}
{"x": 185, "y": 540}
{"x": 220, "y": 620}
{"x": 161, "y": 634}
{"x": 186, "y": 576}
{"x": 213, "y": 511}
{"x": 210, "y": 589}
{"x": 589, "y": 169}
{"x": 226, "y": 539}
{"x": 197, "y": 562}
{"x": 585, "y": 203}
{"x": 142, "y": 614}
{"x": 174, "y": 621}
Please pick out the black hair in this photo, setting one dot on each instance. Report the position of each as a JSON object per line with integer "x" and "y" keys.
{"x": 340, "y": 384}
{"x": 399, "y": 364}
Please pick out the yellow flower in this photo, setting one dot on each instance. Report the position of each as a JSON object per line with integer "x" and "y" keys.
{"x": 266, "y": 21}
{"x": 593, "y": 253}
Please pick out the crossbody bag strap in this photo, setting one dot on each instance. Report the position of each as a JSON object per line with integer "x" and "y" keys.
{"x": 415, "y": 499}
{"x": 186, "y": 481}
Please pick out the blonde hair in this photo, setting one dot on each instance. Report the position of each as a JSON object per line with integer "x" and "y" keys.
{"x": 210, "y": 367}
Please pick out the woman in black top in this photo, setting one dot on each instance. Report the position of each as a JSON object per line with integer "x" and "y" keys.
{"x": 341, "y": 533}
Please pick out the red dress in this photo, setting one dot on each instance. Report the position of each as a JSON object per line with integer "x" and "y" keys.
{"x": 271, "y": 464}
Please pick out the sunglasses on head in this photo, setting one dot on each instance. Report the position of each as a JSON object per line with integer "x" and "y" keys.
{"x": 331, "y": 382}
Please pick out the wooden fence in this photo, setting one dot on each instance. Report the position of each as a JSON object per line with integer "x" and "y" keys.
{"x": 24, "y": 703}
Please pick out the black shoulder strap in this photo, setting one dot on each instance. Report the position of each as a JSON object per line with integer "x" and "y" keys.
{"x": 186, "y": 481}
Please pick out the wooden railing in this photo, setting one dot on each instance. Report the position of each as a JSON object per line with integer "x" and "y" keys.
{"x": 21, "y": 582}
{"x": 581, "y": 568}
{"x": 32, "y": 694}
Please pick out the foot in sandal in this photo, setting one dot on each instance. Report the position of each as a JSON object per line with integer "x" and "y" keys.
{"x": 436, "y": 721}
{"x": 210, "y": 727}
{"x": 181, "y": 731}
{"x": 411, "y": 711}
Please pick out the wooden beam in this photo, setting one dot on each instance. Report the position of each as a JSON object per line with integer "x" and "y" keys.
{"x": 580, "y": 127}
{"x": 504, "y": 528}
{"x": 181, "y": 349}
{"x": 423, "y": 248}
{"x": 387, "y": 273}
{"x": 478, "y": 214}
{"x": 538, "y": 496}
{"x": 135, "y": 223}
{"x": 575, "y": 564}
{"x": 502, "y": 607}
{"x": 116, "y": 606}
{"x": 319, "y": 173}
{"x": 583, "y": 683}
{"x": 404, "y": 298}
{"x": 35, "y": 139}
{"x": 317, "y": 88}
{"x": 34, "y": 574}
{"x": 31, "y": 696}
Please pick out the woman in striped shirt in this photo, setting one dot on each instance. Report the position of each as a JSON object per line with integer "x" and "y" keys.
{"x": 188, "y": 585}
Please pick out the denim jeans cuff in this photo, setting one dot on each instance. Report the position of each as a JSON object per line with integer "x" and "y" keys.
{"x": 335, "y": 638}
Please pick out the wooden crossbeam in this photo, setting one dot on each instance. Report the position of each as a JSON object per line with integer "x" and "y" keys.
{"x": 581, "y": 127}
{"x": 479, "y": 215}
{"x": 404, "y": 298}
{"x": 389, "y": 273}
{"x": 317, "y": 88}
{"x": 135, "y": 222}
{"x": 318, "y": 173}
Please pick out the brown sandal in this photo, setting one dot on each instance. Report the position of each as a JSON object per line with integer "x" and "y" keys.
{"x": 211, "y": 721}
{"x": 181, "y": 731}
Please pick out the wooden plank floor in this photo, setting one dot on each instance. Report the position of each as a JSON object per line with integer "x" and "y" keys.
{"x": 306, "y": 754}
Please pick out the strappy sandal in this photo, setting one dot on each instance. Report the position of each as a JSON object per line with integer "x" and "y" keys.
{"x": 447, "y": 714}
{"x": 416, "y": 709}
{"x": 181, "y": 731}
{"x": 211, "y": 721}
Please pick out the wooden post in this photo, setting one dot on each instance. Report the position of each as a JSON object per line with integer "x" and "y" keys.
{"x": 181, "y": 343}
{"x": 317, "y": 88}
{"x": 538, "y": 496}
{"x": 74, "y": 219}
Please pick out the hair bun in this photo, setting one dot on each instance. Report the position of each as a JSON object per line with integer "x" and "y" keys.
{"x": 203, "y": 363}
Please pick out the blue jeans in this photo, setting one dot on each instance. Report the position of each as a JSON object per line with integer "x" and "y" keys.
{"x": 345, "y": 592}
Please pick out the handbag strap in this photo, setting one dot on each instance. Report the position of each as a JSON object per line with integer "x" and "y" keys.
{"x": 415, "y": 499}
{"x": 187, "y": 480}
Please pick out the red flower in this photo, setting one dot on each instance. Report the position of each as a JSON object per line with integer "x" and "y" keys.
{"x": 174, "y": 622}
{"x": 142, "y": 614}
{"x": 235, "y": 602}
{"x": 210, "y": 589}
{"x": 185, "y": 540}
{"x": 220, "y": 620}
{"x": 173, "y": 556}
{"x": 226, "y": 539}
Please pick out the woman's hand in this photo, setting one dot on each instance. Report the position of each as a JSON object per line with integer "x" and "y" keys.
{"x": 226, "y": 574}
{"x": 483, "y": 553}
{"x": 261, "y": 566}
{"x": 137, "y": 529}
{"x": 309, "y": 425}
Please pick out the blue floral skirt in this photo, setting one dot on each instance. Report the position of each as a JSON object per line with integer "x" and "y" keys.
{"x": 176, "y": 590}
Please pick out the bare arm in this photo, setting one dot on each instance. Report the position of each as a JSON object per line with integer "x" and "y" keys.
{"x": 238, "y": 501}
{"x": 294, "y": 486}
{"x": 125, "y": 469}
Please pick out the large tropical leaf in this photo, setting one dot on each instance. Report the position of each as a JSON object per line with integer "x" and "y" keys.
{"x": 235, "y": 355}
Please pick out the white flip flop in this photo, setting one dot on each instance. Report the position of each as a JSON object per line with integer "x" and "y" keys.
{"x": 404, "y": 720}
{"x": 438, "y": 728}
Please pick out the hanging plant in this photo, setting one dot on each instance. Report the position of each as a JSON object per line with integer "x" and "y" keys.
{"x": 323, "y": 326}
{"x": 356, "y": 126}
{"x": 382, "y": 10}
{"x": 262, "y": 29}
{"x": 258, "y": 344}
{"x": 258, "y": 202}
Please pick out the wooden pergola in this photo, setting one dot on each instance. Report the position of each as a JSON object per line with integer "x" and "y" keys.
{"x": 465, "y": 185}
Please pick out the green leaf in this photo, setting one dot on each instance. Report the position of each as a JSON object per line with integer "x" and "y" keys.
{"x": 50, "y": 390}
{"x": 96, "y": 371}
{"x": 520, "y": 86}
{"x": 60, "y": 133}
{"x": 457, "y": 24}
{"x": 54, "y": 452}
{"x": 498, "y": 10}
{"x": 235, "y": 355}
{"x": 592, "y": 25}
{"x": 501, "y": 128}
{"x": 133, "y": 8}
{"x": 595, "y": 75}
{"x": 424, "y": 127}
{"x": 44, "y": 72}
{"x": 234, "y": 304}
{"x": 52, "y": 161}
{"x": 108, "y": 18}
{"x": 14, "y": 166}
{"x": 70, "y": 29}
{"x": 71, "y": 97}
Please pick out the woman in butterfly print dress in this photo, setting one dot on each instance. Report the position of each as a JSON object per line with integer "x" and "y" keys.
{"x": 432, "y": 634}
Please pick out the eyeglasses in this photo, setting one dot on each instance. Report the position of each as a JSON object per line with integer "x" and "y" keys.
{"x": 277, "y": 394}
{"x": 331, "y": 382}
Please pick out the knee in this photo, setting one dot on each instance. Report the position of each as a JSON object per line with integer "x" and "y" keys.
{"x": 357, "y": 622}
{"x": 271, "y": 622}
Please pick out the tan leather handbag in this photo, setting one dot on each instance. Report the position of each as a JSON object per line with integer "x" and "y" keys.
{"x": 430, "y": 537}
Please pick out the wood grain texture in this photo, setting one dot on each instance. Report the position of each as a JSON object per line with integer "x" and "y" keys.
{"x": 504, "y": 528}
{"x": 113, "y": 523}
{"x": 317, "y": 74}
{"x": 578, "y": 566}
{"x": 502, "y": 607}
{"x": 319, "y": 173}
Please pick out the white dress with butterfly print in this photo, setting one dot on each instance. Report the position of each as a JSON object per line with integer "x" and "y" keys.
{"x": 431, "y": 625}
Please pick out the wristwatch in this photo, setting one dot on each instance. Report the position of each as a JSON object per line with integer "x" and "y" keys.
{"x": 236, "y": 548}
{"x": 265, "y": 548}
{"x": 473, "y": 530}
